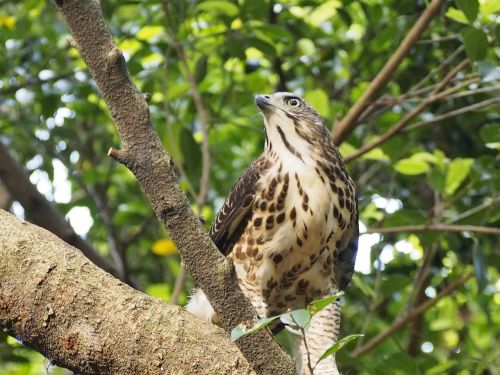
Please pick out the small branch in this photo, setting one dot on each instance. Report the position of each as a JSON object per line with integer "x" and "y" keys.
{"x": 455, "y": 113}
{"x": 435, "y": 228}
{"x": 435, "y": 96}
{"x": 115, "y": 246}
{"x": 42, "y": 212}
{"x": 342, "y": 129}
{"x": 407, "y": 317}
{"x": 488, "y": 202}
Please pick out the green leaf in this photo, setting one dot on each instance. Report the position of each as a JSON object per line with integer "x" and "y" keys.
{"x": 319, "y": 100}
{"x": 411, "y": 167}
{"x": 323, "y": 12}
{"x": 441, "y": 368}
{"x": 221, "y": 7}
{"x": 490, "y": 133}
{"x": 456, "y": 15}
{"x": 376, "y": 154}
{"x": 457, "y": 172}
{"x": 201, "y": 68}
{"x": 475, "y": 43}
{"x": 316, "y": 306}
{"x": 240, "y": 330}
{"x": 469, "y": 7}
{"x": 480, "y": 267}
{"x": 338, "y": 345}
{"x": 300, "y": 318}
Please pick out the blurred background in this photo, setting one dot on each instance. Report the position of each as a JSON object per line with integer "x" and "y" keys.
{"x": 426, "y": 293}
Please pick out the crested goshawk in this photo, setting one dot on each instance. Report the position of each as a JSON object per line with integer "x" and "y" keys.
{"x": 290, "y": 224}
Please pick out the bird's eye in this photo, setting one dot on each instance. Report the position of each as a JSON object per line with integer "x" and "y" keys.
{"x": 293, "y": 102}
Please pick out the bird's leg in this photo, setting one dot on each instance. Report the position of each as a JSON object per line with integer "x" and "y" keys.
{"x": 322, "y": 333}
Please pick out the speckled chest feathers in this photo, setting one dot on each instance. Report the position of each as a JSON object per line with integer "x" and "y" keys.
{"x": 290, "y": 224}
{"x": 301, "y": 217}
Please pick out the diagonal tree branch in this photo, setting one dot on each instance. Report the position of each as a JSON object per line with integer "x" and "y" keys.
{"x": 42, "y": 212}
{"x": 56, "y": 301}
{"x": 407, "y": 317}
{"x": 437, "y": 94}
{"x": 435, "y": 227}
{"x": 347, "y": 124}
{"x": 143, "y": 153}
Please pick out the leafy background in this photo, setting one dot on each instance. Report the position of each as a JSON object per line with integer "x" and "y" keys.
{"x": 53, "y": 121}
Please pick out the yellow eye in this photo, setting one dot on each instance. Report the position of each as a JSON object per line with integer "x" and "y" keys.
{"x": 293, "y": 102}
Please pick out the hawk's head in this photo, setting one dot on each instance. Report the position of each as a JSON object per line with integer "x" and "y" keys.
{"x": 292, "y": 125}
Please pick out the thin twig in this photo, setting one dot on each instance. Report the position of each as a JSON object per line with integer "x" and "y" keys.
{"x": 434, "y": 228}
{"x": 455, "y": 113}
{"x": 404, "y": 318}
{"x": 437, "y": 69}
{"x": 488, "y": 202}
{"x": 347, "y": 124}
{"x": 435, "y": 96}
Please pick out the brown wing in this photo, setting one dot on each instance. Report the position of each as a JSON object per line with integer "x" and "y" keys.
{"x": 347, "y": 257}
{"x": 236, "y": 211}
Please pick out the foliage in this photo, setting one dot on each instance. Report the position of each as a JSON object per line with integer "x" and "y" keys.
{"x": 55, "y": 124}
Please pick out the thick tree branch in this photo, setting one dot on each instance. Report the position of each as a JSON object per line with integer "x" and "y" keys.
{"x": 435, "y": 228}
{"x": 56, "y": 301}
{"x": 407, "y": 317}
{"x": 143, "y": 153}
{"x": 42, "y": 212}
{"x": 347, "y": 124}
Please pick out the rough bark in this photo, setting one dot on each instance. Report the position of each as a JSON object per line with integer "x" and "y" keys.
{"x": 81, "y": 318}
{"x": 42, "y": 212}
{"x": 143, "y": 153}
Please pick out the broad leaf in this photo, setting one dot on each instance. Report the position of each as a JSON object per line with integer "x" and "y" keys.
{"x": 469, "y": 7}
{"x": 458, "y": 170}
{"x": 338, "y": 345}
{"x": 475, "y": 43}
{"x": 411, "y": 166}
{"x": 316, "y": 306}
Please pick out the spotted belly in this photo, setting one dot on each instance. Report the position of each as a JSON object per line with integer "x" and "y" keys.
{"x": 286, "y": 255}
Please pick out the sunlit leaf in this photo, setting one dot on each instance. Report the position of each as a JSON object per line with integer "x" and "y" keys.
{"x": 456, "y": 15}
{"x": 316, "y": 306}
{"x": 458, "y": 170}
{"x": 319, "y": 100}
{"x": 222, "y": 7}
{"x": 411, "y": 167}
{"x": 164, "y": 247}
{"x": 160, "y": 291}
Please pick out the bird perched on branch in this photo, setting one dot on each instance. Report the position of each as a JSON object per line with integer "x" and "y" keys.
{"x": 290, "y": 225}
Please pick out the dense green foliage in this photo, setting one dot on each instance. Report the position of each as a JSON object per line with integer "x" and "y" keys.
{"x": 54, "y": 122}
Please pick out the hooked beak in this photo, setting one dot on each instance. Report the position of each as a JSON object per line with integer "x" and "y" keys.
{"x": 262, "y": 101}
